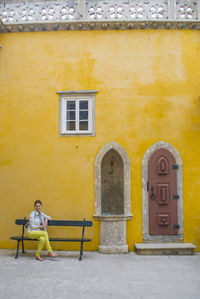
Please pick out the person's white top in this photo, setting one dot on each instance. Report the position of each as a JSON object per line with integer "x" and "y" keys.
{"x": 36, "y": 219}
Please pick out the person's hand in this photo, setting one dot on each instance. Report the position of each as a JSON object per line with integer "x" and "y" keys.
{"x": 40, "y": 226}
{"x": 45, "y": 222}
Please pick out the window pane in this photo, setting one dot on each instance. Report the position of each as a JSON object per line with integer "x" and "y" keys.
{"x": 70, "y": 105}
{"x": 70, "y": 115}
{"x": 83, "y": 125}
{"x": 83, "y": 115}
{"x": 83, "y": 105}
{"x": 71, "y": 125}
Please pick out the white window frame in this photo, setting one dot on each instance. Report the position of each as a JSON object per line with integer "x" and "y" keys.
{"x": 77, "y": 96}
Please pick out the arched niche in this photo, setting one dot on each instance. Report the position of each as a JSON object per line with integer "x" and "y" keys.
{"x": 162, "y": 166}
{"x": 121, "y": 155}
{"x": 112, "y": 197}
{"x": 112, "y": 184}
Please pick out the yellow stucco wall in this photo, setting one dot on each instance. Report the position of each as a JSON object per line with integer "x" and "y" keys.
{"x": 148, "y": 86}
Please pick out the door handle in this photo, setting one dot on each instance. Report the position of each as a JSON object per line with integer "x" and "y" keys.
{"x": 152, "y": 195}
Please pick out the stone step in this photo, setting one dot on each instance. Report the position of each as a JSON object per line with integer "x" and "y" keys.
{"x": 164, "y": 248}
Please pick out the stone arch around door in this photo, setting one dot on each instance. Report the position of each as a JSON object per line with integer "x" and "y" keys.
{"x": 145, "y": 203}
{"x": 113, "y": 226}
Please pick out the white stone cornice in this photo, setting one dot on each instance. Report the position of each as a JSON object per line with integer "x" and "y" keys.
{"x": 111, "y": 25}
{"x": 99, "y": 15}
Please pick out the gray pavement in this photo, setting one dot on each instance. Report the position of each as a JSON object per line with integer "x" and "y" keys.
{"x": 99, "y": 276}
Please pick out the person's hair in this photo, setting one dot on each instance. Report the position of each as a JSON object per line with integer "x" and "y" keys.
{"x": 37, "y": 201}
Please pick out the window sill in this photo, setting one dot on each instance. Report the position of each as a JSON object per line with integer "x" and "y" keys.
{"x": 77, "y": 134}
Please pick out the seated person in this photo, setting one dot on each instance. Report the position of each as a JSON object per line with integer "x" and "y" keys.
{"x": 37, "y": 230}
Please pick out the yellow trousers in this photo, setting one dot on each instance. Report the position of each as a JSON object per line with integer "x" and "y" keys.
{"x": 43, "y": 238}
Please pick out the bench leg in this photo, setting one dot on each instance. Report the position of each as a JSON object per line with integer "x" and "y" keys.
{"x": 16, "y": 256}
{"x": 81, "y": 251}
{"x": 23, "y": 247}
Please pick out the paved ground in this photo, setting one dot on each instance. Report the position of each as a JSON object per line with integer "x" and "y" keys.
{"x": 99, "y": 276}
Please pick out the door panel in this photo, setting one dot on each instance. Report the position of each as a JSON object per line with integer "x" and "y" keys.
{"x": 163, "y": 194}
{"x": 162, "y": 179}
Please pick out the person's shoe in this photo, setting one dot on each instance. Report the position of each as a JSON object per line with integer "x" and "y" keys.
{"x": 38, "y": 258}
{"x": 52, "y": 254}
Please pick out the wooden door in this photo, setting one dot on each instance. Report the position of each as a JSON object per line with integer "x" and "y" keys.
{"x": 162, "y": 193}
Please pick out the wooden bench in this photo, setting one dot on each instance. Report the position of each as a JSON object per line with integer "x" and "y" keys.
{"x": 82, "y": 224}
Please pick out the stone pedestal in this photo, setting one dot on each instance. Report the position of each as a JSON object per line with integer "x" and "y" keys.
{"x": 113, "y": 233}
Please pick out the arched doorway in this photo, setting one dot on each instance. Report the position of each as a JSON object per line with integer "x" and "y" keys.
{"x": 112, "y": 197}
{"x": 162, "y": 193}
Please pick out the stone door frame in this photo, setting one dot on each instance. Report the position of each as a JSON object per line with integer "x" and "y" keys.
{"x": 145, "y": 204}
{"x": 127, "y": 180}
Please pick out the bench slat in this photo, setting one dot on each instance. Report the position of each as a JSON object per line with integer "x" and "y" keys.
{"x": 69, "y": 223}
{"x": 58, "y": 222}
{"x": 21, "y": 221}
{"x": 53, "y": 239}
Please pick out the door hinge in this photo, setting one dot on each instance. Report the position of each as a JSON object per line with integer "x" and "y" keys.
{"x": 147, "y": 186}
{"x": 176, "y": 226}
{"x": 175, "y": 196}
{"x": 175, "y": 166}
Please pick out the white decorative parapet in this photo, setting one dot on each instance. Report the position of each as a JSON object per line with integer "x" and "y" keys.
{"x": 38, "y": 12}
{"x": 127, "y": 10}
{"x": 69, "y": 11}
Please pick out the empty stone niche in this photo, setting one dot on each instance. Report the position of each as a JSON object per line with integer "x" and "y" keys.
{"x": 112, "y": 184}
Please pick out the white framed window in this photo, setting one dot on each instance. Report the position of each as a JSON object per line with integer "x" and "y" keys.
{"x": 77, "y": 112}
